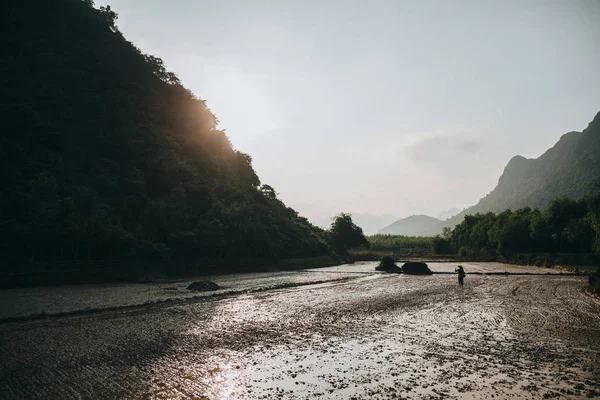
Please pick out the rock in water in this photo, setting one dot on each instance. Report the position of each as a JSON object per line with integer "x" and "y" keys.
{"x": 416, "y": 268}
{"x": 203, "y": 286}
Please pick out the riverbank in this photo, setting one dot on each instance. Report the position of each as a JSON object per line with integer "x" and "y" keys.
{"x": 115, "y": 271}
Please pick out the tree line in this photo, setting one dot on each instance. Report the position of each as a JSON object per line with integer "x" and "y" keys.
{"x": 400, "y": 243}
{"x": 565, "y": 226}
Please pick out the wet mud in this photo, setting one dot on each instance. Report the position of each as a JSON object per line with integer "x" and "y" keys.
{"x": 367, "y": 336}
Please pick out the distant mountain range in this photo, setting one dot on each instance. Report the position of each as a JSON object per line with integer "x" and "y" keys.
{"x": 415, "y": 225}
{"x": 369, "y": 223}
{"x": 569, "y": 169}
{"x": 448, "y": 214}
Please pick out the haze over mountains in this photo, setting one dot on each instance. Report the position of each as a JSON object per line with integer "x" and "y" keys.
{"x": 570, "y": 168}
{"x": 414, "y": 225}
{"x": 448, "y": 213}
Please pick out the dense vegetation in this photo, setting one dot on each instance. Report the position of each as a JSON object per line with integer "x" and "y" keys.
{"x": 106, "y": 156}
{"x": 565, "y": 226}
{"x": 399, "y": 243}
{"x": 567, "y": 231}
{"x": 345, "y": 234}
{"x": 403, "y": 247}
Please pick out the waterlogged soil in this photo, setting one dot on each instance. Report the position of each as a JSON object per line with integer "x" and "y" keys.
{"x": 26, "y": 302}
{"x": 368, "y": 335}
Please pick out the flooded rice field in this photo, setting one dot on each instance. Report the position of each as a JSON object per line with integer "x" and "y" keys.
{"x": 339, "y": 333}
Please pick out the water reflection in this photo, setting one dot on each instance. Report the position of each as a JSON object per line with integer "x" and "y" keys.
{"x": 373, "y": 335}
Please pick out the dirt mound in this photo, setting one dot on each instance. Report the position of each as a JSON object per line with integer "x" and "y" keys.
{"x": 416, "y": 268}
{"x": 203, "y": 286}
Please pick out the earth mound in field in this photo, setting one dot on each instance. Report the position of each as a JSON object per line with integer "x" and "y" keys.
{"x": 416, "y": 268}
{"x": 203, "y": 286}
{"x": 388, "y": 264}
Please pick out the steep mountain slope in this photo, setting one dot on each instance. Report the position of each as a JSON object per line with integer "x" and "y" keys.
{"x": 448, "y": 213}
{"x": 105, "y": 155}
{"x": 415, "y": 225}
{"x": 569, "y": 169}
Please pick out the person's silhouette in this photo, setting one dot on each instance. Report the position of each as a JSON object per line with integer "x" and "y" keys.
{"x": 461, "y": 275}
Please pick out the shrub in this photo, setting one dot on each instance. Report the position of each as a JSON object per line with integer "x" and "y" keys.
{"x": 388, "y": 264}
{"x": 464, "y": 251}
{"x": 442, "y": 245}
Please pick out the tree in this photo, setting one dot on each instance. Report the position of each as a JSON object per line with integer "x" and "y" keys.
{"x": 441, "y": 245}
{"x": 344, "y": 234}
{"x": 268, "y": 192}
{"x": 109, "y": 16}
{"x": 447, "y": 232}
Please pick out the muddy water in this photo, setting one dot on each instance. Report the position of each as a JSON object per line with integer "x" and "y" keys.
{"x": 369, "y": 335}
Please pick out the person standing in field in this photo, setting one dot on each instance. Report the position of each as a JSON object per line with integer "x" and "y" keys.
{"x": 461, "y": 275}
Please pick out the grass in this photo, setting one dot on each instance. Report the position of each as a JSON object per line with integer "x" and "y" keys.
{"x": 399, "y": 243}
{"x": 376, "y": 255}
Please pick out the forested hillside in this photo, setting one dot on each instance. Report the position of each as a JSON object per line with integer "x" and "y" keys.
{"x": 565, "y": 226}
{"x": 569, "y": 169}
{"x": 105, "y": 155}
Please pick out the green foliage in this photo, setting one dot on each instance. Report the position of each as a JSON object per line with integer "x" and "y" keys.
{"x": 399, "y": 243}
{"x": 344, "y": 234}
{"x": 387, "y": 264}
{"x": 565, "y": 226}
{"x": 107, "y": 156}
{"x": 442, "y": 245}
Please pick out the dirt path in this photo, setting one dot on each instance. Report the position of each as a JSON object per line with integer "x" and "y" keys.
{"x": 375, "y": 336}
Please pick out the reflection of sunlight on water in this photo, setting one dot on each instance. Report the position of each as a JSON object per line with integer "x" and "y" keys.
{"x": 213, "y": 379}
{"x": 241, "y": 313}
{"x": 379, "y": 335}
{"x": 222, "y": 386}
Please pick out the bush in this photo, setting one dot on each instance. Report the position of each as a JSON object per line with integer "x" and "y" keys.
{"x": 388, "y": 264}
{"x": 416, "y": 268}
{"x": 442, "y": 245}
{"x": 464, "y": 252}
{"x": 399, "y": 243}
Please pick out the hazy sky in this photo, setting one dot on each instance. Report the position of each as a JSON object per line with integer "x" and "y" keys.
{"x": 381, "y": 107}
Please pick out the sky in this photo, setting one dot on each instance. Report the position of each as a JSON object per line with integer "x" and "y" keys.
{"x": 389, "y": 107}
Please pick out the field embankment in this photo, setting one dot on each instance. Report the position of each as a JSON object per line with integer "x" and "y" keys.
{"x": 108, "y": 271}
